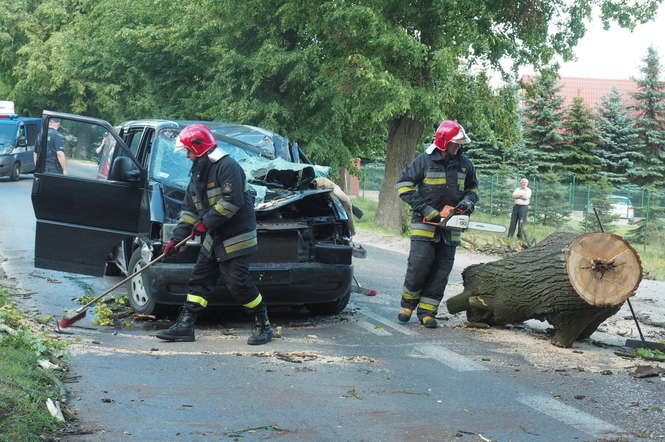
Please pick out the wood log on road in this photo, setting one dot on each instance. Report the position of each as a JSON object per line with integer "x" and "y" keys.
{"x": 575, "y": 282}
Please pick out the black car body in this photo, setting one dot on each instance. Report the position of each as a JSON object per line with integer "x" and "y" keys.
{"x": 124, "y": 201}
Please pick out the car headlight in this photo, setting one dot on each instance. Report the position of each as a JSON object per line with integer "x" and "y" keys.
{"x": 5, "y": 150}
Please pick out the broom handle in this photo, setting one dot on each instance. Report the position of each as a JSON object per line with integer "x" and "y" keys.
{"x": 154, "y": 261}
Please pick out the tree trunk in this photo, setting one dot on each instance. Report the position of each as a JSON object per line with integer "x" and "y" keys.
{"x": 403, "y": 139}
{"x": 574, "y": 282}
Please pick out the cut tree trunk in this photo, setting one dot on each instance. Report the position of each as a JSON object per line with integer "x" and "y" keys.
{"x": 403, "y": 138}
{"x": 574, "y": 282}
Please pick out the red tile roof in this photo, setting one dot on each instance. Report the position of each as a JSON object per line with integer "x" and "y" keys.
{"x": 591, "y": 89}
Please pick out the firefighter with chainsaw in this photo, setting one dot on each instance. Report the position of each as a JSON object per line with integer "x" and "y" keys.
{"x": 439, "y": 177}
{"x": 219, "y": 208}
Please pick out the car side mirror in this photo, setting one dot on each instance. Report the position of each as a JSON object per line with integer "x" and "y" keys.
{"x": 124, "y": 169}
{"x": 21, "y": 142}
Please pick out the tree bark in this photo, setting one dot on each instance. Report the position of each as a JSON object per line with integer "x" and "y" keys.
{"x": 573, "y": 282}
{"x": 403, "y": 139}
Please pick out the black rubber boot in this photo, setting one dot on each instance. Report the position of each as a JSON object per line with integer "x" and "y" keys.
{"x": 404, "y": 314}
{"x": 428, "y": 321}
{"x": 182, "y": 330}
{"x": 262, "y": 333}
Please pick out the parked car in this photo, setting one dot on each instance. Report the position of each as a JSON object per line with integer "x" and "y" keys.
{"x": 17, "y": 144}
{"x": 121, "y": 200}
{"x": 621, "y": 207}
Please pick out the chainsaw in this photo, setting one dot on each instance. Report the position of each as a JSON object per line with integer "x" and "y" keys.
{"x": 454, "y": 219}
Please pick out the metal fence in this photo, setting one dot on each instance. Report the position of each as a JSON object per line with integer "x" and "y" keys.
{"x": 561, "y": 202}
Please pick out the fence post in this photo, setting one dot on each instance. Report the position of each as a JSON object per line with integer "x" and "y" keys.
{"x": 491, "y": 194}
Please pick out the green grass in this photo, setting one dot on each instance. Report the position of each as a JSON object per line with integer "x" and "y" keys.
{"x": 24, "y": 386}
{"x": 652, "y": 255}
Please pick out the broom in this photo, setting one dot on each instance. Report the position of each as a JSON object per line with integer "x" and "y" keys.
{"x": 74, "y": 316}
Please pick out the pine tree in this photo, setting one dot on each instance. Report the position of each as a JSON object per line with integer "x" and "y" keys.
{"x": 619, "y": 147}
{"x": 543, "y": 120}
{"x": 650, "y": 227}
{"x": 550, "y": 200}
{"x": 650, "y": 116}
{"x": 581, "y": 142}
{"x": 600, "y": 190}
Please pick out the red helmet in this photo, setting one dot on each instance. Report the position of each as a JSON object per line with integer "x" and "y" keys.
{"x": 197, "y": 139}
{"x": 449, "y": 131}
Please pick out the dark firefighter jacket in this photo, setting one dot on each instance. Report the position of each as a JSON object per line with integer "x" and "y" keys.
{"x": 218, "y": 197}
{"x": 432, "y": 181}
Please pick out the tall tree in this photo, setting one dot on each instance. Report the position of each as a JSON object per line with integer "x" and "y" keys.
{"x": 650, "y": 116}
{"x": 581, "y": 141}
{"x": 619, "y": 146}
{"x": 543, "y": 121}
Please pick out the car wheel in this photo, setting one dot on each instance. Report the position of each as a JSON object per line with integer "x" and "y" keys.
{"x": 141, "y": 297}
{"x": 15, "y": 174}
{"x": 330, "y": 308}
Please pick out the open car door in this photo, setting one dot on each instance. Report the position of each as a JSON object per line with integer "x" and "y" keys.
{"x": 89, "y": 193}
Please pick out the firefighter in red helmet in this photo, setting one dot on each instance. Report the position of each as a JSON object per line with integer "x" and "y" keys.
{"x": 441, "y": 176}
{"x": 220, "y": 209}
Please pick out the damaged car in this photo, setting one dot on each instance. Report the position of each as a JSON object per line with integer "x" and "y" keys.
{"x": 120, "y": 201}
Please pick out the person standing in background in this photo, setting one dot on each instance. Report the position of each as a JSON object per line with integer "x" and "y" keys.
{"x": 522, "y": 196}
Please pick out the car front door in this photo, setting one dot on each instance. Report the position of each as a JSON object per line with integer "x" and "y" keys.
{"x": 89, "y": 194}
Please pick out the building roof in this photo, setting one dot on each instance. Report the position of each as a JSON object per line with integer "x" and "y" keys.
{"x": 591, "y": 89}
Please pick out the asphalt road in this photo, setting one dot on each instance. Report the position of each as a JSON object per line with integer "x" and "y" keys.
{"x": 356, "y": 376}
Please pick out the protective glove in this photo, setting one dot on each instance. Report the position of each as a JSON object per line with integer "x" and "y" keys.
{"x": 199, "y": 229}
{"x": 465, "y": 207}
{"x": 170, "y": 248}
{"x": 431, "y": 214}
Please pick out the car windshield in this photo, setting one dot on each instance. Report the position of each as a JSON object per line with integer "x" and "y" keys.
{"x": 7, "y": 133}
{"x": 172, "y": 168}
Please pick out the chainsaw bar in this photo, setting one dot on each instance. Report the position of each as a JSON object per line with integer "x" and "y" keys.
{"x": 487, "y": 227}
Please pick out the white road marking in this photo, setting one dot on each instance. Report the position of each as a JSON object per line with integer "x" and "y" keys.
{"x": 391, "y": 324}
{"x": 450, "y": 358}
{"x": 569, "y": 415}
{"x": 376, "y": 329}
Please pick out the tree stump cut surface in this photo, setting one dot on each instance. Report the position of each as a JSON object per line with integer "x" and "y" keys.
{"x": 574, "y": 282}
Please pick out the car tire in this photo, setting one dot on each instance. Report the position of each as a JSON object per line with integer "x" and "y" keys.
{"x": 331, "y": 308}
{"x": 141, "y": 297}
{"x": 15, "y": 174}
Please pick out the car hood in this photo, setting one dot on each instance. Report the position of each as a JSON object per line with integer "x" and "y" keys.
{"x": 277, "y": 183}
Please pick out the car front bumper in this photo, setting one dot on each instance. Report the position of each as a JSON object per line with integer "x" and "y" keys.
{"x": 6, "y": 163}
{"x": 280, "y": 284}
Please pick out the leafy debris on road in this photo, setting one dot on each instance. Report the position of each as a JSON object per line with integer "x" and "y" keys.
{"x": 273, "y": 428}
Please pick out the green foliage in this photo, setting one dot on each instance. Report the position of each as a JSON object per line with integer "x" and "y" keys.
{"x": 600, "y": 190}
{"x": 24, "y": 387}
{"x": 581, "y": 142}
{"x": 651, "y": 354}
{"x": 619, "y": 147}
{"x": 650, "y": 119}
{"x": 552, "y": 201}
{"x": 543, "y": 116}
{"x": 650, "y": 228}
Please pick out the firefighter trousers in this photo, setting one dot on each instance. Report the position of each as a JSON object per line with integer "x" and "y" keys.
{"x": 234, "y": 274}
{"x": 426, "y": 278}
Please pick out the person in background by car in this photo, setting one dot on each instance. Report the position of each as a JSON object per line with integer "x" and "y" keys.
{"x": 56, "y": 161}
{"x": 441, "y": 176}
{"x": 522, "y": 197}
{"x": 219, "y": 208}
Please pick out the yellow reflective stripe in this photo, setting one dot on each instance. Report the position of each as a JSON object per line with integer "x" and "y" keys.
{"x": 255, "y": 302}
{"x": 405, "y": 189}
{"x": 434, "y": 181}
{"x": 196, "y": 299}
{"x": 212, "y": 200}
{"x": 429, "y": 307}
{"x": 188, "y": 219}
{"x": 406, "y": 311}
{"x": 472, "y": 190}
{"x": 207, "y": 242}
{"x": 211, "y": 184}
{"x": 223, "y": 211}
{"x": 407, "y": 295}
{"x": 241, "y": 245}
{"x": 460, "y": 182}
{"x": 425, "y": 233}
